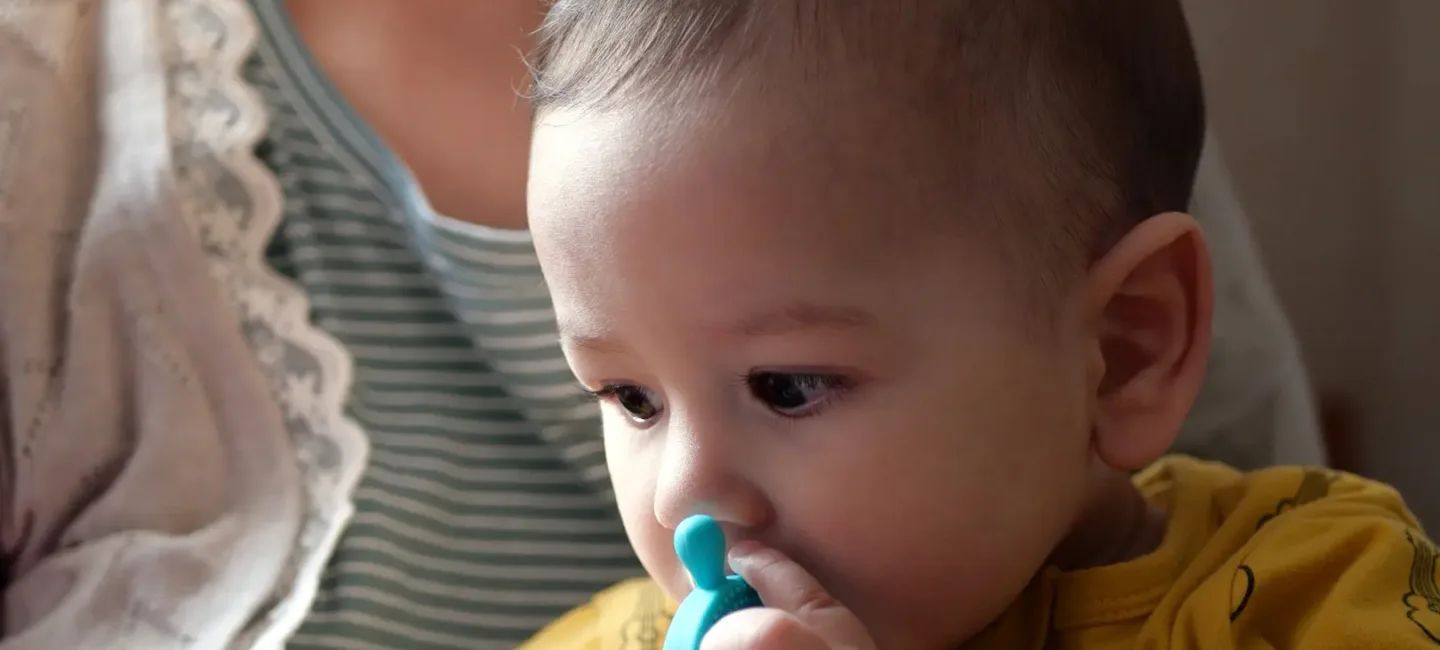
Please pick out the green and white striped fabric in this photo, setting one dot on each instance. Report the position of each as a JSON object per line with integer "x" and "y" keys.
{"x": 484, "y": 513}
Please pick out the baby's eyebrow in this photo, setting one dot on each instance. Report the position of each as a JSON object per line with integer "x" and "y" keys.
{"x": 787, "y": 319}
{"x": 592, "y": 343}
{"x": 802, "y": 315}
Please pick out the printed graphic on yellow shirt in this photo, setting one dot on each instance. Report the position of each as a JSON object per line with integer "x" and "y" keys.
{"x": 1242, "y": 587}
{"x": 644, "y": 629}
{"x": 1422, "y": 602}
{"x": 1314, "y": 485}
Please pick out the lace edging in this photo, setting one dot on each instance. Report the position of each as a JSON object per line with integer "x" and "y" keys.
{"x": 234, "y": 204}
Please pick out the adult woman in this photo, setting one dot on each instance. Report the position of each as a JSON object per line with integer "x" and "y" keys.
{"x": 483, "y": 511}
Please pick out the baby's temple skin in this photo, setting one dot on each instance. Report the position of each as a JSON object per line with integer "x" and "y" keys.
{"x": 903, "y": 295}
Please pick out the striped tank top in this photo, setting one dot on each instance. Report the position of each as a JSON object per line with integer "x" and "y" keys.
{"x": 485, "y": 510}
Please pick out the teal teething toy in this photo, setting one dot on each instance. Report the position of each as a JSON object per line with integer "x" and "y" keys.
{"x": 700, "y": 545}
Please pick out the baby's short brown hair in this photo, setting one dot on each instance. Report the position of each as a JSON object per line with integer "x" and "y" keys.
{"x": 1086, "y": 110}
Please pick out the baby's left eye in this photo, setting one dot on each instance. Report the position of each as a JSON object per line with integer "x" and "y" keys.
{"x": 795, "y": 395}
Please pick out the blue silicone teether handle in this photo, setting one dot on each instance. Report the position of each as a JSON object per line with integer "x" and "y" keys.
{"x": 700, "y": 545}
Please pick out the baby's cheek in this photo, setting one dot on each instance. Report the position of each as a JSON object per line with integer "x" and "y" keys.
{"x": 654, "y": 544}
{"x": 634, "y": 482}
{"x": 925, "y": 558}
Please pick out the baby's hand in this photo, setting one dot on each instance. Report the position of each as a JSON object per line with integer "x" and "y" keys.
{"x": 798, "y": 614}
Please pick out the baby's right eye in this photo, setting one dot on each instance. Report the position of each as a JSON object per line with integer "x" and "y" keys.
{"x": 639, "y": 403}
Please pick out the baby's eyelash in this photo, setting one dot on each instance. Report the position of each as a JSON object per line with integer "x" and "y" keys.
{"x": 600, "y": 394}
{"x": 828, "y": 380}
{"x": 836, "y": 387}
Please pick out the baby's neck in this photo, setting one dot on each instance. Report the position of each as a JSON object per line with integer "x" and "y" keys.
{"x": 1118, "y": 525}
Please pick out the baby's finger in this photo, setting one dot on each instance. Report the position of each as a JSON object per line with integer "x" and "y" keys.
{"x": 762, "y": 628}
{"x": 784, "y": 585}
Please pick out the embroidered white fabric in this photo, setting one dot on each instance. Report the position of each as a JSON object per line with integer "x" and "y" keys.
{"x": 150, "y": 494}
{"x": 235, "y": 204}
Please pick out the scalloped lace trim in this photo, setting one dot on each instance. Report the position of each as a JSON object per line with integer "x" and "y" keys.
{"x": 234, "y": 204}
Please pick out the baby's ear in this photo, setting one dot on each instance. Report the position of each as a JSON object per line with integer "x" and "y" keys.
{"x": 1150, "y": 300}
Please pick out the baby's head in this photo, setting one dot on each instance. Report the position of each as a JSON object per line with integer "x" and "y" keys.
{"x": 901, "y": 288}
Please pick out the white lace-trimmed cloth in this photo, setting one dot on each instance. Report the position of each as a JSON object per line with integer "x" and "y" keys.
{"x": 149, "y": 491}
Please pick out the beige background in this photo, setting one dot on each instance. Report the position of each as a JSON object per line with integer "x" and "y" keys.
{"x": 1329, "y": 115}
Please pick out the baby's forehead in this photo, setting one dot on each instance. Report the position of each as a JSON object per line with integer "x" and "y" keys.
{"x": 851, "y": 165}
{"x": 753, "y": 208}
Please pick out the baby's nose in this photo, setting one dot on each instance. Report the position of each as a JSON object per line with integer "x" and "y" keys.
{"x": 700, "y": 475}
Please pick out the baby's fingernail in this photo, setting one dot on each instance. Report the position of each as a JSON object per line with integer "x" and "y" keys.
{"x": 745, "y": 555}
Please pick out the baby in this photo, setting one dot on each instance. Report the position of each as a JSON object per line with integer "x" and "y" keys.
{"x": 903, "y": 293}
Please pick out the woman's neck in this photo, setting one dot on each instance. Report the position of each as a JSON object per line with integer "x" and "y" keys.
{"x": 441, "y": 81}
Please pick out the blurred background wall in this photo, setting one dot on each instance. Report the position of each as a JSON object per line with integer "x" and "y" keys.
{"x": 1328, "y": 112}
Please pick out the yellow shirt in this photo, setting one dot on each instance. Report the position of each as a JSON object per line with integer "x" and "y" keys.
{"x": 1280, "y": 558}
